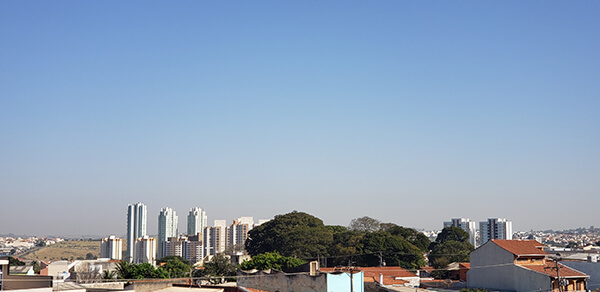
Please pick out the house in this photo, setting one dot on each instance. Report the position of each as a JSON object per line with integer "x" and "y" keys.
{"x": 520, "y": 265}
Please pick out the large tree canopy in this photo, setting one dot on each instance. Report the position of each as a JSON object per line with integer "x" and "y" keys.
{"x": 365, "y": 224}
{"x": 382, "y": 247}
{"x": 295, "y": 234}
{"x": 271, "y": 260}
{"x": 413, "y": 236}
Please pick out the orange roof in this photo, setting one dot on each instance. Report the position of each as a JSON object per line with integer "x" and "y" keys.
{"x": 550, "y": 269}
{"x": 521, "y": 247}
{"x": 464, "y": 265}
{"x": 371, "y": 274}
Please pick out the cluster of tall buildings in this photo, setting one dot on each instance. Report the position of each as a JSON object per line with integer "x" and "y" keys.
{"x": 493, "y": 228}
{"x": 199, "y": 241}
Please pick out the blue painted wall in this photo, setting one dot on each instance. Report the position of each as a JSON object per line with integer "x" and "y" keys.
{"x": 341, "y": 282}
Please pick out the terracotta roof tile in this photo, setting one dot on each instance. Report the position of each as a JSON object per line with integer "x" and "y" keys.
{"x": 550, "y": 269}
{"x": 521, "y": 247}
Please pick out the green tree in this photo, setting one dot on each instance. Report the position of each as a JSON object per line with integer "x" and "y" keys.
{"x": 413, "y": 236}
{"x": 451, "y": 245}
{"x": 36, "y": 266}
{"x": 176, "y": 268}
{"x": 218, "y": 270}
{"x": 90, "y": 256}
{"x": 12, "y": 261}
{"x": 451, "y": 234}
{"x": 365, "y": 224}
{"x": 381, "y": 246}
{"x": 271, "y": 260}
{"x": 345, "y": 246}
{"x": 295, "y": 234}
{"x": 168, "y": 258}
{"x": 126, "y": 270}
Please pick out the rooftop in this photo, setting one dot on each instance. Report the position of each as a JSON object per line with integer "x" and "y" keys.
{"x": 521, "y": 247}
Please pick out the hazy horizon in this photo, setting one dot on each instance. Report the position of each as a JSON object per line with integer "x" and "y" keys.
{"x": 408, "y": 112}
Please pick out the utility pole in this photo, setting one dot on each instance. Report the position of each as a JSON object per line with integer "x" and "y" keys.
{"x": 558, "y": 282}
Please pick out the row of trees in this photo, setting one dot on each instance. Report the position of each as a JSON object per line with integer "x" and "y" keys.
{"x": 365, "y": 242}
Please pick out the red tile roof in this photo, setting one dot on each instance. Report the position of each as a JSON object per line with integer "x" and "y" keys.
{"x": 521, "y": 247}
{"x": 371, "y": 274}
{"x": 550, "y": 269}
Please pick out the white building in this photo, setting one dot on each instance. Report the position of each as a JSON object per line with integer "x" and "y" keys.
{"x": 167, "y": 227}
{"x": 136, "y": 227}
{"x": 111, "y": 248}
{"x": 214, "y": 238}
{"x": 494, "y": 228}
{"x": 196, "y": 221}
{"x": 467, "y": 225}
{"x": 145, "y": 250}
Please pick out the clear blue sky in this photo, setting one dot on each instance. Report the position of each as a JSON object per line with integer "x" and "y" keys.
{"x": 411, "y": 112}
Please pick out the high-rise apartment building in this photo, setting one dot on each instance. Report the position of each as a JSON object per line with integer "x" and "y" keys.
{"x": 494, "y": 228}
{"x": 167, "y": 227}
{"x": 237, "y": 233}
{"x": 145, "y": 250}
{"x": 136, "y": 227}
{"x": 196, "y": 221}
{"x": 189, "y": 248}
{"x": 214, "y": 238}
{"x": 111, "y": 248}
{"x": 466, "y": 225}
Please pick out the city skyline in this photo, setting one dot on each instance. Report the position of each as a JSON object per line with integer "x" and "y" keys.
{"x": 406, "y": 112}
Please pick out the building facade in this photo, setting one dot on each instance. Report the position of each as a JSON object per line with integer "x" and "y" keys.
{"x": 136, "y": 226}
{"x": 196, "y": 221}
{"x": 111, "y": 248}
{"x": 494, "y": 228}
{"x": 237, "y": 233}
{"x": 467, "y": 225}
{"x": 145, "y": 249}
{"x": 214, "y": 238}
{"x": 167, "y": 227}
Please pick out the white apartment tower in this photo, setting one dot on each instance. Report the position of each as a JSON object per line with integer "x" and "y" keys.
{"x": 467, "y": 225}
{"x": 145, "y": 250}
{"x": 167, "y": 227}
{"x": 196, "y": 221}
{"x": 494, "y": 228}
{"x": 111, "y": 248}
{"x": 214, "y": 238}
{"x": 136, "y": 227}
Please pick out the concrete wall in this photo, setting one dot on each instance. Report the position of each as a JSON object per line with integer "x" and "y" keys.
{"x": 18, "y": 282}
{"x": 284, "y": 282}
{"x": 528, "y": 280}
{"x": 511, "y": 278}
{"x": 341, "y": 282}
{"x": 490, "y": 254}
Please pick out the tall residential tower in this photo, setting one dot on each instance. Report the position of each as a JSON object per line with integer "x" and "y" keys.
{"x": 136, "y": 227}
{"x": 196, "y": 221}
{"x": 494, "y": 228}
{"x": 167, "y": 227}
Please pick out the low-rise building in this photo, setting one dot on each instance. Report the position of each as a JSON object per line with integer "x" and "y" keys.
{"x": 520, "y": 265}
